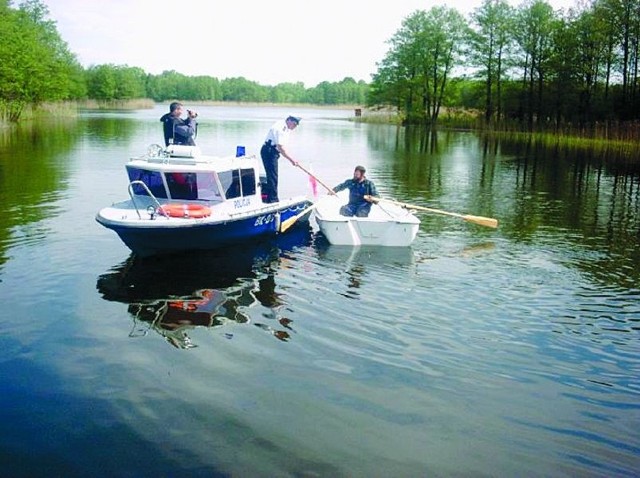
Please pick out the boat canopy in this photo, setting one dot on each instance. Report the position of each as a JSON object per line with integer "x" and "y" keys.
{"x": 189, "y": 178}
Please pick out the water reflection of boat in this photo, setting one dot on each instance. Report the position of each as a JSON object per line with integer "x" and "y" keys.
{"x": 173, "y": 294}
{"x": 370, "y": 255}
{"x": 358, "y": 262}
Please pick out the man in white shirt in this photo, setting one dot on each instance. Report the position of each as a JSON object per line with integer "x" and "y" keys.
{"x": 274, "y": 146}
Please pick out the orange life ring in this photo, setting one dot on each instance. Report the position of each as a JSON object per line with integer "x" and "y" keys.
{"x": 194, "y": 211}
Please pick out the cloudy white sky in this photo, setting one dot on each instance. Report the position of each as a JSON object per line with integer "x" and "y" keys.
{"x": 266, "y": 41}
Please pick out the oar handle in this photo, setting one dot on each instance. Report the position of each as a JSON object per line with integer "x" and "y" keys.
{"x": 482, "y": 221}
{"x": 314, "y": 177}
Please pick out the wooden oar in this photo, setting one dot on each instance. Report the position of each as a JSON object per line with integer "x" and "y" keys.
{"x": 481, "y": 221}
{"x": 284, "y": 225}
{"x": 314, "y": 177}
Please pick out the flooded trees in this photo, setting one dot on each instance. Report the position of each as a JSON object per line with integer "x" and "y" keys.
{"x": 490, "y": 42}
{"x": 527, "y": 67}
{"x": 415, "y": 73}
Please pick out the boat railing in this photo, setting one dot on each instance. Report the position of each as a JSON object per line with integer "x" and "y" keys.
{"x": 133, "y": 196}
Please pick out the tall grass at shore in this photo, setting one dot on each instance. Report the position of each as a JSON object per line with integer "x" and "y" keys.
{"x": 629, "y": 149}
{"x": 378, "y": 116}
{"x": 133, "y": 104}
{"x": 621, "y": 138}
{"x": 59, "y": 109}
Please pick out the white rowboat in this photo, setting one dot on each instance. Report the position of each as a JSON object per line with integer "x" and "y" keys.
{"x": 386, "y": 225}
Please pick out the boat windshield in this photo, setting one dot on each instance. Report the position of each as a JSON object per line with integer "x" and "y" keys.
{"x": 181, "y": 185}
{"x": 189, "y": 186}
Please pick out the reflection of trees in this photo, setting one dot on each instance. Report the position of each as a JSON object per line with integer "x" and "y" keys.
{"x": 594, "y": 194}
{"x": 172, "y": 295}
{"x": 417, "y": 153}
{"x": 528, "y": 185}
{"x": 112, "y": 129}
{"x": 430, "y": 168}
{"x": 33, "y": 170}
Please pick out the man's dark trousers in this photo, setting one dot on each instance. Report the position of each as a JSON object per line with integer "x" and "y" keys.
{"x": 270, "y": 157}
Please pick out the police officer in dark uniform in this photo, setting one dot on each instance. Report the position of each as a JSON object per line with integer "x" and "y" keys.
{"x": 177, "y": 130}
{"x": 359, "y": 187}
{"x": 273, "y": 147}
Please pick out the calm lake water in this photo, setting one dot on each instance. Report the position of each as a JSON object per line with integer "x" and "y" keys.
{"x": 476, "y": 352}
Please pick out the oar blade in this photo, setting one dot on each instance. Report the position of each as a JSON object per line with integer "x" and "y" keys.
{"x": 286, "y": 224}
{"x": 482, "y": 221}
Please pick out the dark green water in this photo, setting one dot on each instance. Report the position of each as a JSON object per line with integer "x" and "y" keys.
{"x": 476, "y": 352}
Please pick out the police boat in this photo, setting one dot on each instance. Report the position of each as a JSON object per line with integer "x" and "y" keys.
{"x": 181, "y": 200}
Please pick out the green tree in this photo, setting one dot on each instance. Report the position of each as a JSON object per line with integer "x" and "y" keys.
{"x": 35, "y": 63}
{"x": 625, "y": 15}
{"x": 534, "y": 33}
{"x": 130, "y": 82}
{"x": 397, "y": 81}
{"x": 102, "y": 82}
{"x": 241, "y": 89}
{"x": 415, "y": 72}
{"x": 490, "y": 42}
{"x": 288, "y": 93}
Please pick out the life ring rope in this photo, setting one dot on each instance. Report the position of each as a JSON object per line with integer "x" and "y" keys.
{"x": 187, "y": 211}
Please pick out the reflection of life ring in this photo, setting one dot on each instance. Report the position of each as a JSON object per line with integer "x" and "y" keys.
{"x": 191, "y": 305}
{"x": 194, "y": 211}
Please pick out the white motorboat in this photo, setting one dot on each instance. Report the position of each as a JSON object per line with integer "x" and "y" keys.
{"x": 182, "y": 200}
{"x": 386, "y": 225}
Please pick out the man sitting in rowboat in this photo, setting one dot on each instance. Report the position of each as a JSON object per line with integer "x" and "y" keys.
{"x": 359, "y": 187}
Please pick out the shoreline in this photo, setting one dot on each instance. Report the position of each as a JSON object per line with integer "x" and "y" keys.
{"x": 147, "y": 103}
{"x": 387, "y": 116}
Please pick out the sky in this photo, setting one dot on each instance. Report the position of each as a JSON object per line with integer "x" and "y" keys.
{"x": 265, "y": 41}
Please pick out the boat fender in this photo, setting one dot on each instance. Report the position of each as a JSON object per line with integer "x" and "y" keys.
{"x": 187, "y": 211}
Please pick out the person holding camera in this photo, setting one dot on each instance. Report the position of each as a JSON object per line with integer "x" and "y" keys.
{"x": 177, "y": 130}
{"x": 274, "y": 146}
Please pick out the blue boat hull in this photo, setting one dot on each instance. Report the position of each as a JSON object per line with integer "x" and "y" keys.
{"x": 149, "y": 241}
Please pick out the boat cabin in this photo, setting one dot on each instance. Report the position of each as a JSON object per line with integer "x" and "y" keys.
{"x": 181, "y": 173}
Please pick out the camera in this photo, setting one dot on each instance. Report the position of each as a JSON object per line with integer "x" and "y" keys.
{"x": 193, "y": 114}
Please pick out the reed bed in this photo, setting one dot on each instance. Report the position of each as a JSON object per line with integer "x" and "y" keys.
{"x": 132, "y": 104}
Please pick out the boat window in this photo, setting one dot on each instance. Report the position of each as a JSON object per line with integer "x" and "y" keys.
{"x": 182, "y": 185}
{"x": 153, "y": 180}
{"x": 208, "y": 187}
{"x": 248, "y": 178}
{"x": 230, "y": 181}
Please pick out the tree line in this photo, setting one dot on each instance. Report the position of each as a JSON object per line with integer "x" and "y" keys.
{"x": 528, "y": 65}
{"x": 37, "y": 66}
{"x": 117, "y": 82}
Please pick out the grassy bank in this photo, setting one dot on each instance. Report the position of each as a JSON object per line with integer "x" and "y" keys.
{"x": 133, "y": 104}
{"x": 620, "y": 148}
{"x": 60, "y": 109}
{"x": 621, "y": 138}
{"x": 71, "y": 108}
